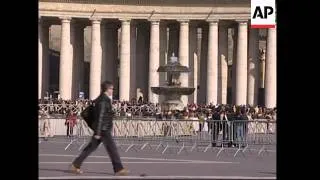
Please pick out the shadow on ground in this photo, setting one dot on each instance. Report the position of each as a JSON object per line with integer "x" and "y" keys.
{"x": 68, "y": 171}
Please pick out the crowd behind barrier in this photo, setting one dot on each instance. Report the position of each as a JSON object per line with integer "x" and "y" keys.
{"x": 184, "y": 134}
{"x": 135, "y": 109}
{"x": 231, "y": 123}
{"x": 146, "y": 126}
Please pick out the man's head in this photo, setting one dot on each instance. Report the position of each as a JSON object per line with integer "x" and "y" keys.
{"x": 107, "y": 88}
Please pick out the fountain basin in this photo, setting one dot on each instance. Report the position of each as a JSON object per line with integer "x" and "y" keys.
{"x": 171, "y": 105}
{"x": 176, "y": 68}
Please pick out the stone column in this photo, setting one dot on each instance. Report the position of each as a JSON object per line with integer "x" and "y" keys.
{"x": 124, "y": 79}
{"x": 271, "y": 69}
{"x": 193, "y": 62}
{"x": 253, "y": 68}
{"x": 66, "y": 61}
{"x": 154, "y": 60}
{"x": 96, "y": 59}
{"x": 184, "y": 55}
{"x": 212, "y": 64}
{"x": 133, "y": 41}
{"x": 199, "y": 42}
{"x": 173, "y": 40}
{"x": 109, "y": 37}
{"x": 203, "y": 64}
{"x": 163, "y": 54}
{"x": 163, "y": 51}
{"x": 241, "y": 65}
{"x": 75, "y": 55}
{"x": 43, "y": 61}
{"x": 223, "y": 64}
{"x": 142, "y": 59}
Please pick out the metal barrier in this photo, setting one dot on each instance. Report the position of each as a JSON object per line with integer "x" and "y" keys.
{"x": 181, "y": 134}
{"x": 75, "y": 108}
{"x": 79, "y": 135}
{"x": 82, "y": 130}
{"x": 185, "y": 135}
{"x": 44, "y": 129}
{"x": 59, "y": 108}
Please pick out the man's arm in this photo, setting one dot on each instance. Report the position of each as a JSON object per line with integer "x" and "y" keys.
{"x": 109, "y": 114}
{"x": 102, "y": 110}
{"x": 109, "y": 107}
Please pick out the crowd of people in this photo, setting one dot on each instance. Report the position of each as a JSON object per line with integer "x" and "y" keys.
{"x": 146, "y": 109}
{"x": 197, "y": 112}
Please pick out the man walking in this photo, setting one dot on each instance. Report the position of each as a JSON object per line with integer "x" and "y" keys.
{"x": 102, "y": 126}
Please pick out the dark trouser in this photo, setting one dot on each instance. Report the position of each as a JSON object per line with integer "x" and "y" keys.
{"x": 200, "y": 126}
{"x": 226, "y": 134}
{"x": 240, "y": 131}
{"x": 215, "y": 128}
{"x": 110, "y": 146}
{"x": 69, "y": 130}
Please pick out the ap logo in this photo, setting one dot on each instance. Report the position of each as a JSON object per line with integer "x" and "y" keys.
{"x": 263, "y": 14}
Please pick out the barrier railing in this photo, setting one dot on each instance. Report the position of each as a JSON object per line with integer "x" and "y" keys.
{"x": 61, "y": 108}
{"x": 189, "y": 133}
{"x": 181, "y": 135}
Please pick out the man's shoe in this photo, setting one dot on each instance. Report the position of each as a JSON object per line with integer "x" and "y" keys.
{"x": 75, "y": 170}
{"x": 122, "y": 172}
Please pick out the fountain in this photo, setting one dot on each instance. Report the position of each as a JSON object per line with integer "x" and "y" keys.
{"x": 172, "y": 91}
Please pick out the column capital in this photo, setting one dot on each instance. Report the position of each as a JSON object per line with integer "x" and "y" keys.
{"x": 213, "y": 21}
{"x": 154, "y": 21}
{"x": 95, "y": 20}
{"x": 125, "y": 20}
{"x": 65, "y": 19}
{"x": 183, "y": 21}
{"x": 242, "y": 21}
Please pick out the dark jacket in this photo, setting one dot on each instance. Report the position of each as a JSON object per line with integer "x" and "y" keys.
{"x": 103, "y": 114}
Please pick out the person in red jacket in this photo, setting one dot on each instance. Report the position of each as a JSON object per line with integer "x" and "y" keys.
{"x": 70, "y": 123}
